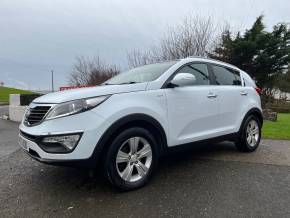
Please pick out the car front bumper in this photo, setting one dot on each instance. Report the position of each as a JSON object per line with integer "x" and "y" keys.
{"x": 89, "y": 124}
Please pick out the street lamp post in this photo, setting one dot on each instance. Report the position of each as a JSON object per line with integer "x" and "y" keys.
{"x": 52, "y": 82}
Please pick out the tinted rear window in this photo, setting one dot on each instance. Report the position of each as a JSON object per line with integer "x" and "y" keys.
{"x": 226, "y": 76}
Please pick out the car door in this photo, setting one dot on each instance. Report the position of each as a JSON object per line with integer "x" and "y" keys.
{"x": 192, "y": 110}
{"x": 232, "y": 96}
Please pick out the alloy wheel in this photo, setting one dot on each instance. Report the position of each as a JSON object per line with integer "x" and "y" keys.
{"x": 253, "y": 133}
{"x": 134, "y": 159}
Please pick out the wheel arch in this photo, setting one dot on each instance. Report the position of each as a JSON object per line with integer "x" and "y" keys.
{"x": 133, "y": 120}
{"x": 254, "y": 111}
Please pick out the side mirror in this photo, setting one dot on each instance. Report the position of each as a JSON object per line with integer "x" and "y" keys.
{"x": 183, "y": 79}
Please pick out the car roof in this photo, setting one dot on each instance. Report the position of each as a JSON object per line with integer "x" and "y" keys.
{"x": 208, "y": 60}
{"x": 198, "y": 58}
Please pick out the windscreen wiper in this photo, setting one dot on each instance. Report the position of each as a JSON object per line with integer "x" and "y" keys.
{"x": 131, "y": 82}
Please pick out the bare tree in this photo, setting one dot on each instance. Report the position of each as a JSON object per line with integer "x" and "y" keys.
{"x": 194, "y": 36}
{"x": 92, "y": 71}
{"x": 138, "y": 57}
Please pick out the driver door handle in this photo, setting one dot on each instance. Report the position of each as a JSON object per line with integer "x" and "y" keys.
{"x": 212, "y": 95}
{"x": 243, "y": 93}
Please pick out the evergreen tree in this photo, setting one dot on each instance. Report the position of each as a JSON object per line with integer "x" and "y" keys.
{"x": 264, "y": 55}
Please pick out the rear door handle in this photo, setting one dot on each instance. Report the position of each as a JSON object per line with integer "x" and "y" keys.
{"x": 243, "y": 93}
{"x": 212, "y": 95}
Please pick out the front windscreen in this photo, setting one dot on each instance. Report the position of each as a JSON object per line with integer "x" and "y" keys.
{"x": 141, "y": 74}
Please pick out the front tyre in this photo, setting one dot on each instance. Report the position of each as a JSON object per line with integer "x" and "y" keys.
{"x": 131, "y": 159}
{"x": 250, "y": 135}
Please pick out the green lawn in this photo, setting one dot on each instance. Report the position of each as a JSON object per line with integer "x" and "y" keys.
{"x": 279, "y": 129}
{"x": 5, "y": 91}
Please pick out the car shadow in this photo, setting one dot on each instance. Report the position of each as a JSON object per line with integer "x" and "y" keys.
{"x": 84, "y": 180}
{"x": 181, "y": 180}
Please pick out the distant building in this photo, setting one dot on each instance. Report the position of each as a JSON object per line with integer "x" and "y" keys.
{"x": 282, "y": 95}
{"x": 1, "y": 83}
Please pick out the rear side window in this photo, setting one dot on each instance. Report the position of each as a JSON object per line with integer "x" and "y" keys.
{"x": 200, "y": 72}
{"x": 226, "y": 76}
{"x": 248, "y": 80}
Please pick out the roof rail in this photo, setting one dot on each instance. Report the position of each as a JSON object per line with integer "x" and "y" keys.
{"x": 196, "y": 56}
{"x": 222, "y": 62}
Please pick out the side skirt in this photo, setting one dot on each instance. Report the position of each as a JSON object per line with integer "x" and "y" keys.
{"x": 181, "y": 147}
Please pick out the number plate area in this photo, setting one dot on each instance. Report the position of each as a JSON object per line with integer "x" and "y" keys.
{"x": 23, "y": 143}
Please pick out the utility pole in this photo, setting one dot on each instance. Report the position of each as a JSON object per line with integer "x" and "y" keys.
{"x": 52, "y": 85}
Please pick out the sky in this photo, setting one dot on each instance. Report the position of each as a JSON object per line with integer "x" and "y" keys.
{"x": 37, "y": 36}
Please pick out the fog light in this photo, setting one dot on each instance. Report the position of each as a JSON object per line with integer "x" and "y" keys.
{"x": 68, "y": 141}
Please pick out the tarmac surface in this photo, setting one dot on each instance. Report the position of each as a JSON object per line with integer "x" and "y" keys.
{"x": 4, "y": 110}
{"x": 213, "y": 180}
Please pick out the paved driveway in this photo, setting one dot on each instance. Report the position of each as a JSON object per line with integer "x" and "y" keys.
{"x": 4, "y": 110}
{"x": 210, "y": 181}
{"x": 8, "y": 138}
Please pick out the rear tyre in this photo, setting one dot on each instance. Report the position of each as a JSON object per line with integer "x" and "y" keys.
{"x": 131, "y": 159}
{"x": 250, "y": 135}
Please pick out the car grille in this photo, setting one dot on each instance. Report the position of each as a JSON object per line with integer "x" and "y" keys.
{"x": 35, "y": 115}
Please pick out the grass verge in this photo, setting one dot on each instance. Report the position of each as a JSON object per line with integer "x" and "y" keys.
{"x": 6, "y": 91}
{"x": 279, "y": 129}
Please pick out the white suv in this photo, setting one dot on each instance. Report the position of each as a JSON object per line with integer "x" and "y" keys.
{"x": 129, "y": 121}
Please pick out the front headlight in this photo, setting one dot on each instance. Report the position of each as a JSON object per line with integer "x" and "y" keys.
{"x": 76, "y": 106}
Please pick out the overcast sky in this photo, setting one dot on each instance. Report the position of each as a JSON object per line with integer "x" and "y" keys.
{"x": 39, "y": 35}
